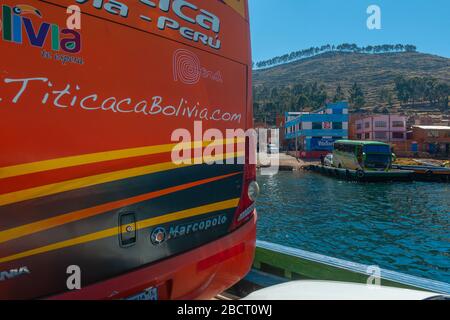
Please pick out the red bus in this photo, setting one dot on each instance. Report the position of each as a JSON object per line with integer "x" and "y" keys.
{"x": 92, "y": 205}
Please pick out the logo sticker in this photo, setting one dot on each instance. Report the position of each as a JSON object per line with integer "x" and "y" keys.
{"x": 25, "y": 24}
{"x": 158, "y": 236}
{"x": 13, "y": 273}
{"x": 188, "y": 69}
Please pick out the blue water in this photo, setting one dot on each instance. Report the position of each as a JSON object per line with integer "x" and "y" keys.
{"x": 403, "y": 226}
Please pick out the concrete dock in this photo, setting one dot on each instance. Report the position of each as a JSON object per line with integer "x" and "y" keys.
{"x": 362, "y": 176}
{"x": 286, "y": 162}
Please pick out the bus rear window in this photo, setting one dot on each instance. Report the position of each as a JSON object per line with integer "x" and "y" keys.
{"x": 377, "y": 149}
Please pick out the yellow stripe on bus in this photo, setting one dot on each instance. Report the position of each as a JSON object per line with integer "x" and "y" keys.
{"x": 189, "y": 213}
{"x": 60, "y": 163}
{"x": 69, "y": 185}
{"x": 63, "y": 219}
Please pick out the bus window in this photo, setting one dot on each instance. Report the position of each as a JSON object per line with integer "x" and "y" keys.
{"x": 377, "y": 149}
{"x": 349, "y": 148}
{"x": 377, "y": 161}
{"x": 377, "y": 156}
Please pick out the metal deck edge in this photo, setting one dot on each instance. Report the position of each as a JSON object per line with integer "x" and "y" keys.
{"x": 401, "y": 278}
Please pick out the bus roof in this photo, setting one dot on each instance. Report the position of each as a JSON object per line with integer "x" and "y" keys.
{"x": 362, "y": 143}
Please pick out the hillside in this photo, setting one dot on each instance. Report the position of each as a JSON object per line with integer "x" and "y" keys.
{"x": 371, "y": 71}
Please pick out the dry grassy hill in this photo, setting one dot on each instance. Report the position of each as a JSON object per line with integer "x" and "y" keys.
{"x": 371, "y": 71}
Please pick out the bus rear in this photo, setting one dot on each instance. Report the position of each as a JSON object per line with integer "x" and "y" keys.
{"x": 377, "y": 156}
{"x": 362, "y": 155}
{"x": 93, "y": 108}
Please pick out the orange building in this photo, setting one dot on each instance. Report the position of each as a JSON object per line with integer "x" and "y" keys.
{"x": 432, "y": 139}
{"x": 353, "y": 118}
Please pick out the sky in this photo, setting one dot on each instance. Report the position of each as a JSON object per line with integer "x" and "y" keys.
{"x": 281, "y": 26}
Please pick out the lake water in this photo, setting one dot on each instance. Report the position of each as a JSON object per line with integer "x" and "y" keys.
{"x": 403, "y": 227}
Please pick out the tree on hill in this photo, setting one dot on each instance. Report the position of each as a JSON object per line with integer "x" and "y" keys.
{"x": 302, "y": 103}
{"x": 422, "y": 89}
{"x": 339, "y": 95}
{"x": 356, "y": 96}
{"x": 443, "y": 92}
{"x": 268, "y": 102}
{"x": 345, "y": 47}
{"x": 403, "y": 89}
{"x": 385, "y": 96}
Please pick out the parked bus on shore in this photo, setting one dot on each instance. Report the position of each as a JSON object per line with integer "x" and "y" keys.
{"x": 362, "y": 155}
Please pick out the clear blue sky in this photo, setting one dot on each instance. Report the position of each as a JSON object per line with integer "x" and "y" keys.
{"x": 282, "y": 26}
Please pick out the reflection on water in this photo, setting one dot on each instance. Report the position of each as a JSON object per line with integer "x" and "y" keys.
{"x": 399, "y": 226}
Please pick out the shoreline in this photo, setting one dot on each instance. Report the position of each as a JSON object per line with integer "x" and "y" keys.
{"x": 289, "y": 163}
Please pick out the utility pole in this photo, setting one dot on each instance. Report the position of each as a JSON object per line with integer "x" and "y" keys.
{"x": 389, "y": 129}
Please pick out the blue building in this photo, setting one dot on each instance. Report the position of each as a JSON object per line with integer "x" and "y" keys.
{"x": 314, "y": 134}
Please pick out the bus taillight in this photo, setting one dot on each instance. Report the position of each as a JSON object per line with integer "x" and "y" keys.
{"x": 250, "y": 190}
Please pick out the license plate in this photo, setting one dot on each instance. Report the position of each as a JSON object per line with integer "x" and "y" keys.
{"x": 150, "y": 294}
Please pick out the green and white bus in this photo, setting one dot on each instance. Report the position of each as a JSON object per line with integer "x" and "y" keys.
{"x": 362, "y": 155}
